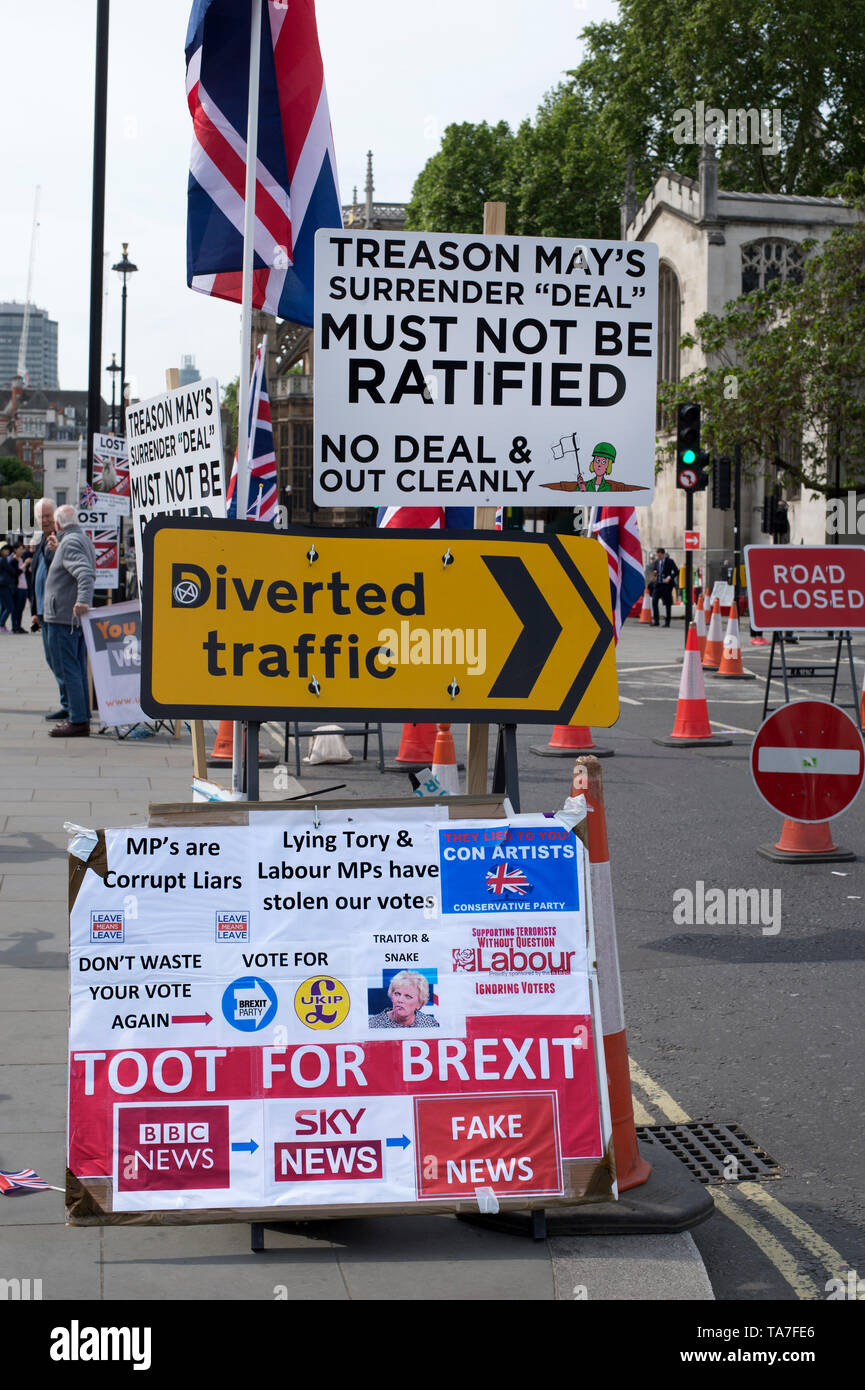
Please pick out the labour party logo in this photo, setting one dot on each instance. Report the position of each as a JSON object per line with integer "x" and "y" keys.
{"x": 249, "y": 1004}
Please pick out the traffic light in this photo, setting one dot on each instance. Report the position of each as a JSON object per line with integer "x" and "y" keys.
{"x": 721, "y": 484}
{"x": 776, "y": 522}
{"x": 690, "y": 460}
{"x": 767, "y": 526}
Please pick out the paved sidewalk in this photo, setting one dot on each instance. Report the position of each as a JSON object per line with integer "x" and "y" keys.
{"x": 101, "y": 782}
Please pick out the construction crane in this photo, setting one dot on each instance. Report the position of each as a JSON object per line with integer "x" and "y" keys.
{"x": 25, "y": 327}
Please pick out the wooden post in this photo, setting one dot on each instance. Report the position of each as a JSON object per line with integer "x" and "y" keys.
{"x": 477, "y": 752}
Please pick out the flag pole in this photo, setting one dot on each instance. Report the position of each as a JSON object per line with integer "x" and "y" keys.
{"x": 242, "y": 486}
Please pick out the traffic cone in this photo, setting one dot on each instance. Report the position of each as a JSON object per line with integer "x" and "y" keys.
{"x": 701, "y": 625}
{"x": 692, "y": 728}
{"x": 714, "y": 648}
{"x": 631, "y": 1168}
{"x": 568, "y": 740}
{"x": 416, "y": 745}
{"x": 444, "y": 762}
{"x": 646, "y": 610}
{"x": 731, "y": 667}
{"x": 804, "y": 842}
{"x": 224, "y": 745}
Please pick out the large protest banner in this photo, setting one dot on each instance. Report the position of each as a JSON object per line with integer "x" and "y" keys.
{"x": 495, "y": 370}
{"x": 113, "y": 639}
{"x": 378, "y": 1010}
{"x": 175, "y": 456}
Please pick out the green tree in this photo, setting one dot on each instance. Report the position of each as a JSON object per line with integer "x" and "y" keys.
{"x": 787, "y": 364}
{"x": 229, "y": 400}
{"x": 13, "y": 471}
{"x": 471, "y": 168}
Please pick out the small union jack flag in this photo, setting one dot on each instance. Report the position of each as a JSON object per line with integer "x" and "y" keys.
{"x": 505, "y": 880}
{"x": 27, "y": 1179}
{"x": 261, "y": 501}
{"x": 88, "y": 496}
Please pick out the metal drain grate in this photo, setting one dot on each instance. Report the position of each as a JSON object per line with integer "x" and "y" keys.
{"x": 707, "y": 1150}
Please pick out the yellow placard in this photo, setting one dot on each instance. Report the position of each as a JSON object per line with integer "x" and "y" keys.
{"x": 240, "y": 621}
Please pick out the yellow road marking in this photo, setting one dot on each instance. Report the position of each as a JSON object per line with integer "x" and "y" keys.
{"x": 641, "y": 1114}
{"x": 783, "y": 1261}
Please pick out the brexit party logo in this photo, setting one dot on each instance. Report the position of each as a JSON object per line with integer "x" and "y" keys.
{"x": 106, "y": 926}
{"x": 249, "y": 1004}
{"x": 322, "y": 1002}
{"x": 526, "y": 869}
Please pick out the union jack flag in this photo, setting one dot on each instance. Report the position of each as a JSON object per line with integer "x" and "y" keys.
{"x": 616, "y": 529}
{"x": 504, "y": 880}
{"x": 88, "y": 496}
{"x": 27, "y": 1179}
{"x": 426, "y": 518}
{"x": 296, "y": 185}
{"x": 261, "y": 502}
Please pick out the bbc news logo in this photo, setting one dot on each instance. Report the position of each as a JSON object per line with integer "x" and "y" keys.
{"x": 172, "y": 1148}
{"x": 106, "y": 927}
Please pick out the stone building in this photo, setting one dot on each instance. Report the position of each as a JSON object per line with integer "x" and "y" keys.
{"x": 715, "y": 245}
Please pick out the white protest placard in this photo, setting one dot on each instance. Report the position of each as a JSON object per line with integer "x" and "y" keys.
{"x": 175, "y": 456}
{"x": 113, "y": 639}
{"x": 459, "y": 370}
{"x": 723, "y": 592}
{"x": 111, "y": 467}
{"x": 100, "y": 522}
{"x": 307, "y": 1013}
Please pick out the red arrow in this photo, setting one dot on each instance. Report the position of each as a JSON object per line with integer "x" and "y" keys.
{"x": 191, "y": 1018}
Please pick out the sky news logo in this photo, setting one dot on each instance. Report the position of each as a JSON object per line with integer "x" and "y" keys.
{"x": 232, "y": 925}
{"x": 106, "y": 926}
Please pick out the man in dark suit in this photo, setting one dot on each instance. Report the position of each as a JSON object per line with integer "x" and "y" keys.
{"x": 666, "y": 573}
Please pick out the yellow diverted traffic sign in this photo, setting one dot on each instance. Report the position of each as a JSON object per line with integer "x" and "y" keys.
{"x": 243, "y": 622}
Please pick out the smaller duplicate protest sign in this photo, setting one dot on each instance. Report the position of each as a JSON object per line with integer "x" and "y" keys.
{"x": 111, "y": 466}
{"x": 101, "y": 520}
{"x": 175, "y": 456}
{"x": 808, "y": 587}
{"x": 113, "y": 639}
{"x": 483, "y": 370}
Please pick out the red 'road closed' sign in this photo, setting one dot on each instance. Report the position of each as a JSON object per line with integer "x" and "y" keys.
{"x": 808, "y": 760}
{"x": 806, "y": 586}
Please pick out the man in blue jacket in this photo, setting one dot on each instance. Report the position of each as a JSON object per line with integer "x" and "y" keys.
{"x": 68, "y": 596}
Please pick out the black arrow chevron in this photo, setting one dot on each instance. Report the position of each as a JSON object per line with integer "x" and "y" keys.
{"x": 541, "y": 628}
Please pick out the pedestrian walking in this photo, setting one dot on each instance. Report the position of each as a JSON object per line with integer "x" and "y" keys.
{"x": 68, "y": 596}
{"x": 18, "y": 564}
{"x": 7, "y": 587}
{"x": 43, "y": 554}
{"x": 666, "y": 573}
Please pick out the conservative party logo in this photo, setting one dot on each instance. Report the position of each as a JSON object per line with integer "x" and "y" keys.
{"x": 249, "y": 1004}
{"x": 106, "y": 927}
{"x": 322, "y": 1002}
{"x": 531, "y": 869}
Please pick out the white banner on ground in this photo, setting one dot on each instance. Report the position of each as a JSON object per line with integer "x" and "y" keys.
{"x": 460, "y": 370}
{"x": 113, "y": 638}
{"x": 175, "y": 456}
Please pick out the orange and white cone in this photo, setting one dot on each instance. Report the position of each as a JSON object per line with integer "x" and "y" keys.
{"x": 700, "y": 619}
{"x": 804, "y": 842}
{"x": 568, "y": 740}
{"x": 444, "y": 763}
{"x": 714, "y": 649}
{"x": 223, "y": 747}
{"x": 692, "y": 728}
{"x": 646, "y": 610}
{"x": 731, "y": 661}
{"x": 631, "y": 1168}
{"x": 417, "y": 746}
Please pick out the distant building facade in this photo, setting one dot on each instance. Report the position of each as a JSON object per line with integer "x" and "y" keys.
{"x": 42, "y": 429}
{"x": 715, "y": 245}
{"x": 188, "y": 371}
{"x": 41, "y": 358}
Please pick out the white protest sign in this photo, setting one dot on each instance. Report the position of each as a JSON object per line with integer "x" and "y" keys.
{"x": 483, "y": 370}
{"x": 175, "y": 456}
{"x": 723, "y": 592}
{"x": 111, "y": 467}
{"x": 113, "y": 639}
{"x": 297, "y": 1013}
{"x": 101, "y": 522}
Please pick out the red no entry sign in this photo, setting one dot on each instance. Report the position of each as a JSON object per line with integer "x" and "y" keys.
{"x": 808, "y": 760}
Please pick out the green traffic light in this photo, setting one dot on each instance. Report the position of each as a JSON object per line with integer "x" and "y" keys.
{"x": 689, "y": 456}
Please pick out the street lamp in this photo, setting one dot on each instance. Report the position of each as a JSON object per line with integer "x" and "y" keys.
{"x": 124, "y": 268}
{"x": 113, "y": 369}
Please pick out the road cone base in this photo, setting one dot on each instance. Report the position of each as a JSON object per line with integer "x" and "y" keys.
{"x": 264, "y": 760}
{"x": 735, "y": 675}
{"x": 547, "y": 752}
{"x": 719, "y": 741}
{"x": 791, "y": 856}
{"x": 670, "y": 1201}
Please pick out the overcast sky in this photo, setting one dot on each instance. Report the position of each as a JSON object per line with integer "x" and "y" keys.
{"x": 397, "y": 73}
